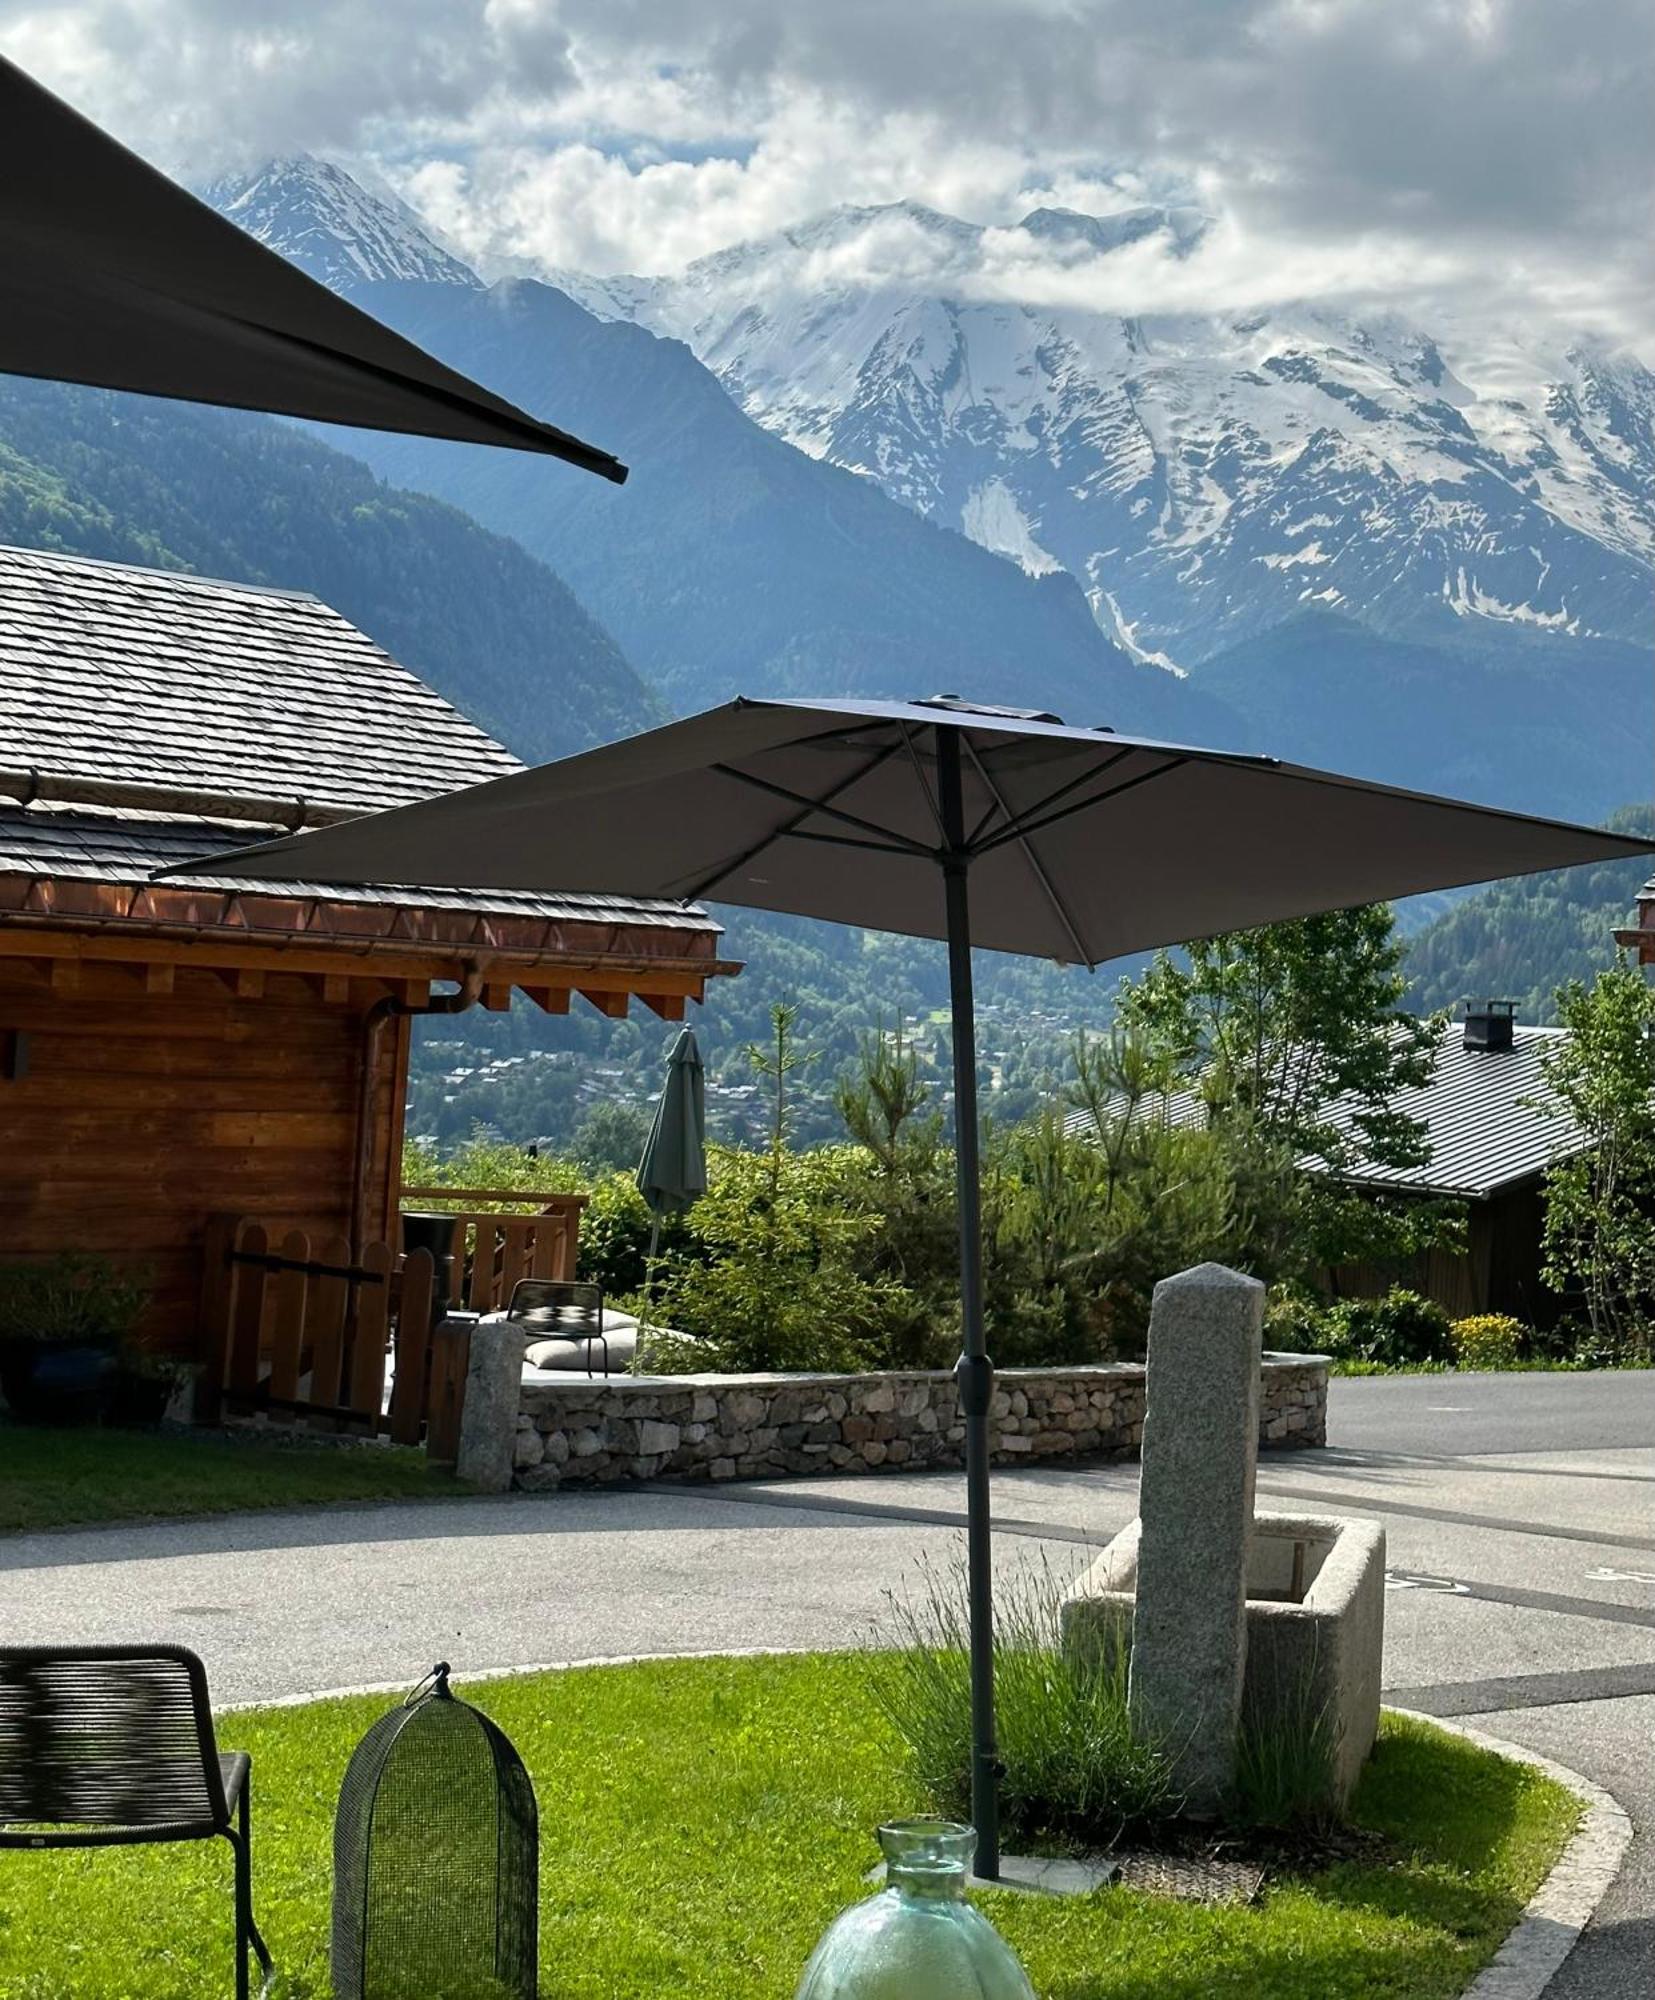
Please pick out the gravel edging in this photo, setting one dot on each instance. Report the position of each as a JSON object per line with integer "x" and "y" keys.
{"x": 1560, "y": 1909}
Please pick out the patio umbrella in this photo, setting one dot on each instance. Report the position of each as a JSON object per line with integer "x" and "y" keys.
{"x": 672, "y": 1174}
{"x": 117, "y": 277}
{"x": 985, "y": 826}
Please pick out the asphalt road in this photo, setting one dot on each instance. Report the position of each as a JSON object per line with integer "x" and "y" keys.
{"x": 1519, "y": 1513}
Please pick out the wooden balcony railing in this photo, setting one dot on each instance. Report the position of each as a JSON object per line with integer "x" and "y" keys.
{"x": 505, "y": 1234}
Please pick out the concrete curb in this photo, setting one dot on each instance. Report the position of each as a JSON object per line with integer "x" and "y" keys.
{"x": 1561, "y": 1907}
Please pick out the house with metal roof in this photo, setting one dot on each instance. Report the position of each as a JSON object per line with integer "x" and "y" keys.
{"x": 177, "y": 1049}
{"x": 1493, "y": 1129}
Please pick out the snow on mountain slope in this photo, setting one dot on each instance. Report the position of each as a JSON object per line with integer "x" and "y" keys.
{"x": 1204, "y": 476}
{"x": 317, "y": 216}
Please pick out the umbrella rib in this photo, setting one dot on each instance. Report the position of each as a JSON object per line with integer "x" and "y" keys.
{"x": 1026, "y": 827}
{"x": 922, "y": 782}
{"x": 1044, "y": 805}
{"x": 812, "y": 806}
{"x": 850, "y": 840}
{"x": 815, "y": 805}
{"x": 1038, "y": 867}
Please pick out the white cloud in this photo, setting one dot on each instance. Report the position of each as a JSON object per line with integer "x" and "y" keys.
{"x": 1493, "y": 148}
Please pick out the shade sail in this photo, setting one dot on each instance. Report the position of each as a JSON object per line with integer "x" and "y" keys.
{"x": 117, "y": 277}
{"x": 1083, "y": 845}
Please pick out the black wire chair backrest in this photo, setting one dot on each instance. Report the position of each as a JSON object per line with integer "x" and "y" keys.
{"x": 118, "y": 1738}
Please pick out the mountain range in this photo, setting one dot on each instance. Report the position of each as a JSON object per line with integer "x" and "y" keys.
{"x": 862, "y": 464}
{"x": 1417, "y": 553}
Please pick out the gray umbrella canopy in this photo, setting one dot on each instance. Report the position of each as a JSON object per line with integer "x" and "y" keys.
{"x": 1082, "y": 845}
{"x": 984, "y": 826}
{"x": 672, "y": 1174}
{"x": 115, "y": 276}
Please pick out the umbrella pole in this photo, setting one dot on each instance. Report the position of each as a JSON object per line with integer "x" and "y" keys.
{"x": 973, "y": 1372}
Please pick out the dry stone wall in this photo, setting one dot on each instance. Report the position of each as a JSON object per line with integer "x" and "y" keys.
{"x": 573, "y": 1432}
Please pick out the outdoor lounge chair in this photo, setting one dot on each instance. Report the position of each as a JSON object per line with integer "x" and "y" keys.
{"x": 557, "y": 1309}
{"x": 113, "y": 1746}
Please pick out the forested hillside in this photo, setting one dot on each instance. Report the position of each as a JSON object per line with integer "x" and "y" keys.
{"x": 243, "y": 497}
{"x": 1521, "y": 940}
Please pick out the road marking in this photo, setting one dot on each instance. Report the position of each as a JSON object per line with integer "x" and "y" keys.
{"x": 1620, "y": 1576}
{"x": 1401, "y": 1579}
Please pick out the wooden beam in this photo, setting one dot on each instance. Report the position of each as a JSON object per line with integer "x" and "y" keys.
{"x": 670, "y": 1006}
{"x": 612, "y": 1006}
{"x": 160, "y": 978}
{"x": 65, "y": 975}
{"x": 412, "y": 994}
{"x": 249, "y": 984}
{"x": 496, "y": 996}
{"x": 336, "y": 988}
{"x": 549, "y": 999}
{"x": 620, "y": 973}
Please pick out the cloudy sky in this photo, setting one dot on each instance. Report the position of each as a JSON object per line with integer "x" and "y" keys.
{"x": 1480, "y": 149}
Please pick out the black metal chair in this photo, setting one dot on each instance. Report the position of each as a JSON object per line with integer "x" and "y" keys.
{"x": 113, "y": 1746}
{"x": 561, "y": 1309}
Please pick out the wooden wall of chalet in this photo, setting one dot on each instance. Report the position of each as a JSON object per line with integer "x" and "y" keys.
{"x": 1500, "y": 1272}
{"x": 141, "y": 1113}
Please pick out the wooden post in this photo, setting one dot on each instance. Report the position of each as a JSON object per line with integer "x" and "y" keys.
{"x": 413, "y": 1346}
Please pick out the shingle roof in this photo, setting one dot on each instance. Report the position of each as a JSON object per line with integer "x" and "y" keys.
{"x": 153, "y": 677}
{"x": 1484, "y": 1111}
{"x": 72, "y": 845}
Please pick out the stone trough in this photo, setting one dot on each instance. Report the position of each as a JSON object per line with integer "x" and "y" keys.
{"x": 1314, "y": 1624}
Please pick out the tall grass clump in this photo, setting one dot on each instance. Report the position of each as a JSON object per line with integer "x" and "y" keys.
{"x": 1075, "y": 1772}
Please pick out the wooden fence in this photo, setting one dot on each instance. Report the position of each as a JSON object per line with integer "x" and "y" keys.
{"x": 297, "y": 1330}
{"x": 493, "y": 1250}
{"x": 307, "y": 1330}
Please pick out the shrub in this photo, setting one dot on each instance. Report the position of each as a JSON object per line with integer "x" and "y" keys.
{"x": 1489, "y": 1340}
{"x": 1073, "y": 1768}
{"x": 771, "y": 1281}
{"x": 72, "y": 1300}
{"x": 1295, "y": 1323}
{"x": 1400, "y": 1330}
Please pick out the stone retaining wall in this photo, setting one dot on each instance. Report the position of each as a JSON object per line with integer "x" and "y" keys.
{"x": 572, "y": 1431}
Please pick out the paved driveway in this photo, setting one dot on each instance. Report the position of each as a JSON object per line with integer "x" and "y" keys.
{"x": 1520, "y": 1513}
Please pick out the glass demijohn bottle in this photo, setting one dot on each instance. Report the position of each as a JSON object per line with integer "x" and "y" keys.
{"x": 918, "y": 1939}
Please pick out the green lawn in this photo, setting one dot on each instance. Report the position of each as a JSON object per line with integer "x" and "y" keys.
{"x": 50, "y": 1478}
{"x": 701, "y": 1821}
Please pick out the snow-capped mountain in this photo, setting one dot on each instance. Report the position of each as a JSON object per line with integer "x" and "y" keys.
{"x": 1205, "y": 477}
{"x": 317, "y": 216}
{"x": 1420, "y": 554}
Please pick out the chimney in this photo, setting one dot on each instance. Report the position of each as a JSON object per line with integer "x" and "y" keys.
{"x": 1489, "y": 1025}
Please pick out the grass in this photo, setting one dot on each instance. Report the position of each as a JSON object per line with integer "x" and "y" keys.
{"x": 54, "y": 1478}
{"x": 702, "y": 1820}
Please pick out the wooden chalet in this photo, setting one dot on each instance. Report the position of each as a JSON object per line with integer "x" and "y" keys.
{"x": 182, "y": 1050}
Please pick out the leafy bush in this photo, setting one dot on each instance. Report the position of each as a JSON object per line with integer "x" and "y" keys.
{"x": 1073, "y": 1767}
{"x": 1400, "y": 1330}
{"x": 772, "y": 1280}
{"x": 1489, "y": 1340}
{"x": 72, "y": 1300}
{"x": 1296, "y": 1323}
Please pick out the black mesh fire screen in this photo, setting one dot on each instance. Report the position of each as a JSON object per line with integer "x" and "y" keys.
{"x": 435, "y": 1859}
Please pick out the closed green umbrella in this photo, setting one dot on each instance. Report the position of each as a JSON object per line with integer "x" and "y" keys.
{"x": 672, "y": 1175}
